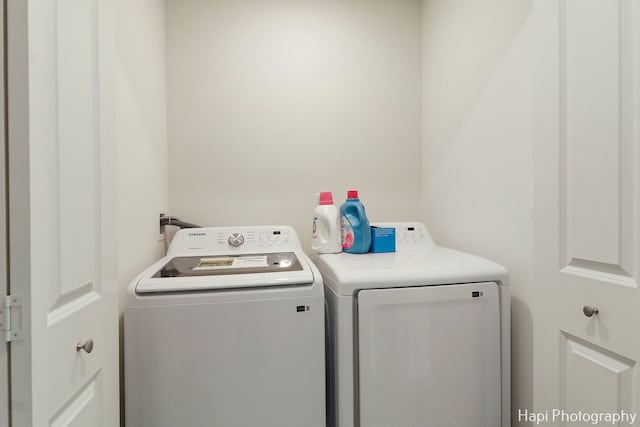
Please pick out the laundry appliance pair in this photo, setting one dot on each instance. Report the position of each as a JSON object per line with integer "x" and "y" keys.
{"x": 229, "y": 330}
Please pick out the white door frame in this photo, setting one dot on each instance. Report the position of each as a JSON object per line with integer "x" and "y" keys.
{"x": 4, "y": 286}
{"x": 18, "y": 198}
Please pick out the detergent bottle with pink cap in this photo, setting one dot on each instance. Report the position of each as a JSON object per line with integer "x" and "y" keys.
{"x": 326, "y": 238}
{"x": 355, "y": 229}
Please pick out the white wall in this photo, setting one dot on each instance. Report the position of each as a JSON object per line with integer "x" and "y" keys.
{"x": 271, "y": 102}
{"x": 477, "y": 147}
{"x": 422, "y": 106}
{"x": 141, "y": 136}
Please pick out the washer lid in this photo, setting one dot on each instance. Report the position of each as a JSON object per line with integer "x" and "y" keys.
{"x": 347, "y": 273}
{"x": 225, "y": 265}
{"x": 217, "y": 272}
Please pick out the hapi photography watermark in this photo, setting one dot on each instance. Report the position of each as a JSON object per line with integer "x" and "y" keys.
{"x": 583, "y": 417}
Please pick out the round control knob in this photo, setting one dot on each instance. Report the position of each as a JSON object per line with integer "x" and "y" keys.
{"x": 236, "y": 239}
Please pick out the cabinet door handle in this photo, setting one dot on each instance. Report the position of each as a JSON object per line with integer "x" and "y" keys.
{"x": 590, "y": 311}
{"x": 87, "y": 346}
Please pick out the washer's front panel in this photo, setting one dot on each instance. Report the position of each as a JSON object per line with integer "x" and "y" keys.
{"x": 247, "y": 363}
{"x": 429, "y": 356}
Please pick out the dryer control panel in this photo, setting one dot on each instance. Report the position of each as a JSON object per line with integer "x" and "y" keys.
{"x": 409, "y": 235}
{"x": 230, "y": 240}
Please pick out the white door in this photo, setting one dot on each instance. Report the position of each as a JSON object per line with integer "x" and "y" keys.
{"x": 61, "y": 210}
{"x": 587, "y": 208}
{"x": 429, "y": 356}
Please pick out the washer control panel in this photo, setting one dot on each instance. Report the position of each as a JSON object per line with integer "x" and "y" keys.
{"x": 254, "y": 238}
{"x": 234, "y": 240}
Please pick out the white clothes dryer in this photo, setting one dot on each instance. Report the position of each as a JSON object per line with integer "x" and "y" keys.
{"x": 419, "y": 337}
{"x": 227, "y": 330}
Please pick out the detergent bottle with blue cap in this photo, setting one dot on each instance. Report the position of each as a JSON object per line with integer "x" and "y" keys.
{"x": 355, "y": 229}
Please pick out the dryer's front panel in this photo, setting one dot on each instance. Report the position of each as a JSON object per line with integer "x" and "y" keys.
{"x": 429, "y": 356}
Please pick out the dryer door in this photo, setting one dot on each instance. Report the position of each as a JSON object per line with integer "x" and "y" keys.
{"x": 429, "y": 356}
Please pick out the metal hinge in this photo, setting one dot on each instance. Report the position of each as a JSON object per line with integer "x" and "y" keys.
{"x": 11, "y": 318}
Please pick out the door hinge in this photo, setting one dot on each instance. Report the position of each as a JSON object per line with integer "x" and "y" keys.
{"x": 11, "y": 318}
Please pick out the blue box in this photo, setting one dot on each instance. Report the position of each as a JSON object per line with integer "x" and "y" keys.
{"x": 383, "y": 239}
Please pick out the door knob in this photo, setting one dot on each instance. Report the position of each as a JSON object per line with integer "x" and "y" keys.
{"x": 590, "y": 311}
{"x": 87, "y": 346}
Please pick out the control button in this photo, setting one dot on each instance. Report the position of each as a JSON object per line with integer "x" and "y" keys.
{"x": 236, "y": 239}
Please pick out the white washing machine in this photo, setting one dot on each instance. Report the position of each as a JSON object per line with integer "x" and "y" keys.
{"x": 417, "y": 338}
{"x": 227, "y": 330}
